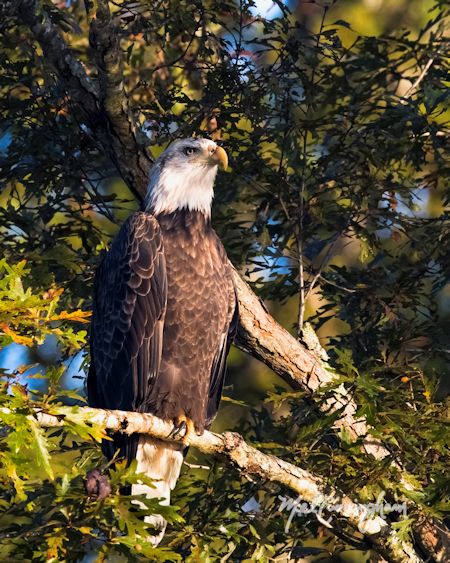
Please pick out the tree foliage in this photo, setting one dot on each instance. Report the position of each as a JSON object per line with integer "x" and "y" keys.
{"x": 335, "y": 207}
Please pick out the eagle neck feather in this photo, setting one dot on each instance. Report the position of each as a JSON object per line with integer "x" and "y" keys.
{"x": 194, "y": 222}
{"x": 175, "y": 187}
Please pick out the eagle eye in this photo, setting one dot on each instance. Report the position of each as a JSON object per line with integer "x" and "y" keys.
{"x": 189, "y": 150}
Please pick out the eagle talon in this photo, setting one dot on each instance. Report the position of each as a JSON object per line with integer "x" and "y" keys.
{"x": 189, "y": 432}
{"x": 164, "y": 286}
{"x": 178, "y": 428}
{"x": 184, "y": 427}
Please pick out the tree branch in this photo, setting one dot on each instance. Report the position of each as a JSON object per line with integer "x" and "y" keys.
{"x": 82, "y": 89}
{"x": 105, "y": 109}
{"x": 303, "y": 367}
{"x": 101, "y": 105}
{"x": 252, "y": 463}
{"x": 131, "y": 158}
{"x": 419, "y": 79}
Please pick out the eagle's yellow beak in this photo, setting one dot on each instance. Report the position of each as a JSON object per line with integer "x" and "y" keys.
{"x": 220, "y": 157}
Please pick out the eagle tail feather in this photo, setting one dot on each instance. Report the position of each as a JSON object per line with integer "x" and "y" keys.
{"x": 161, "y": 462}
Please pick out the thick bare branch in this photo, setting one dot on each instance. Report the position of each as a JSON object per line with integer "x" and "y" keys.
{"x": 105, "y": 109}
{"x": 100, "y": 104}
{"x": 82, "y": 90}
{"x": 253, "y": 463}
{"x": 303, "y": 367}
{"x": 132, "y": 159}
{"x": 262, "y": 337}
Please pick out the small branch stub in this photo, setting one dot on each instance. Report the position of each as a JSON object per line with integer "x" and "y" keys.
{"x": 250, "y": 462}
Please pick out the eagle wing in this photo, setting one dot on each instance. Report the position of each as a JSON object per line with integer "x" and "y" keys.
{"x": 130, "y": 296}
{"x": 218, "y": 369}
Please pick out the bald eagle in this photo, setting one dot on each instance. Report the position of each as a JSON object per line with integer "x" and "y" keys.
{"x": 164, "y": 314}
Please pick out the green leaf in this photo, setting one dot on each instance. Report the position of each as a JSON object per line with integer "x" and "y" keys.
{"x": 41, "y": 449}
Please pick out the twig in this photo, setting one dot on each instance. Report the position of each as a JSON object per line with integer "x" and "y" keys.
{"x": 261, "y": 336}
{"x": 419, "y": 79}
{"x": 196, "y": 466}
{"x": 299, "y": 230}
{"x": 252, "y": 462}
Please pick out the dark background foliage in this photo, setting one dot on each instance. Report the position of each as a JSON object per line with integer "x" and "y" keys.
{"x": 335, "y": 116}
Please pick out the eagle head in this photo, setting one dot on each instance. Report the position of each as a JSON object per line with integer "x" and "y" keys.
{"x": 183, "y": 177}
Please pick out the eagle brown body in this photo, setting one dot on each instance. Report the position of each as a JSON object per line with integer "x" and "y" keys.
{"x": 161, "y": 325}
{"x": 164, "y": 315}
{"x": 200, "y": 306}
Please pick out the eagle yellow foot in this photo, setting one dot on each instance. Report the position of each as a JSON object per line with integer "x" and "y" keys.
{"x": 183, "y": 426}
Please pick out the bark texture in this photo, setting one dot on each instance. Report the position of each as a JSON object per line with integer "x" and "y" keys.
{"x": 253, "y": 463}
{"x": 130, "y": 157}
{"x": 103, "y": 106}
{"x": 305, "y": 368}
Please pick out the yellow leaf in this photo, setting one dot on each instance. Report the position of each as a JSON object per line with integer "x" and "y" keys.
{"x": 53, "y": 293}
{"x": 77, "y": 316}
{"x": 17, "y": 338}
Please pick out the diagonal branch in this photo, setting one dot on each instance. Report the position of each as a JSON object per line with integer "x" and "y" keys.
{"x": 252, "y": 462}
{"x": 100, "y": 104}
{"x": 104, "y": 107}
{"x": 412, "y": 90}
{"x": 82, "y": 89}
{"x": 302, "y": 366}
{"x": 130, "y": 157}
